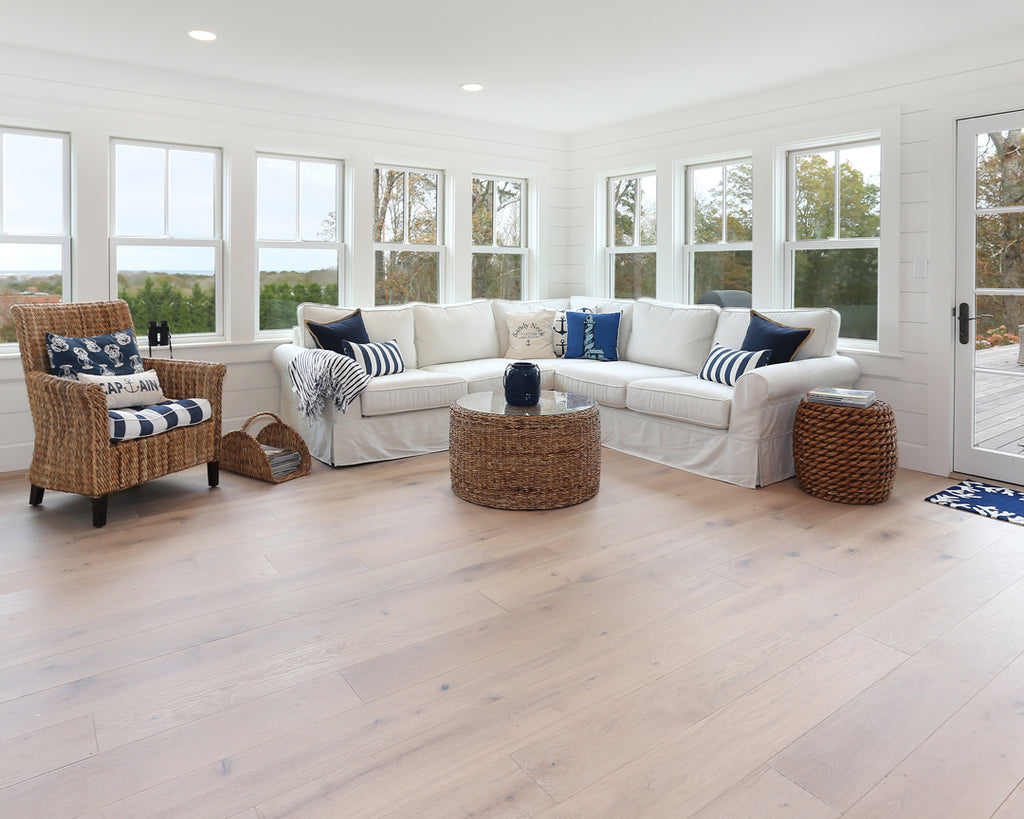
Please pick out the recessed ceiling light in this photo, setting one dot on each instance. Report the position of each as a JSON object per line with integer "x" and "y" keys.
{"x": 202, "y": 36}
{"x": 471, "y": 86}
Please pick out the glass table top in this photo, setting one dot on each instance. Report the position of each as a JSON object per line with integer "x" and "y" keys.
{"x": 552, "y": 402}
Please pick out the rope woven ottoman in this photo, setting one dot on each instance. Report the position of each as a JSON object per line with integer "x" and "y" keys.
{"x": 845, "y": 454}
{"x": 542, "y": 457}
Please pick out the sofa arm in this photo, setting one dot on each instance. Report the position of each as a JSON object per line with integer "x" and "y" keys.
{"x": 793, "y": 379}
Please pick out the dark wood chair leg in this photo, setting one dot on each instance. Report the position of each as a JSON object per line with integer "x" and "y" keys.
{"x": 213, "y": 472}
{"x": 99, "y": 511}
{"x": 35, "y": 495}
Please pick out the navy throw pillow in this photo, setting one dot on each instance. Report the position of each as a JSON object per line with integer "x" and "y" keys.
{"x": 784, "y": 341}
{"x": 340, "y": 335}
{"x": 592, "y": 335}
{"x": 112, "y": 354}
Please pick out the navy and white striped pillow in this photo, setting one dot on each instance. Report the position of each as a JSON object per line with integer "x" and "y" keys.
{"x": 725, "y": 366}
{"x": 380, "y": 358}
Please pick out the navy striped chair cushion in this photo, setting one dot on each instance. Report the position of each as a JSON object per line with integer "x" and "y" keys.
{"x": 383, "y": 358}
{"x": 725, "y": 366}
{"x": 142, "y": 422}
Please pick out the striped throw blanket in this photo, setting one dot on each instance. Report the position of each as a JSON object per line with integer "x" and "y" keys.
{"x": 322, "y": 376}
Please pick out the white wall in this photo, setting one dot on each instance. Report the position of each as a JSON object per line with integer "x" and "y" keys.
{"x": 97, "y": 101}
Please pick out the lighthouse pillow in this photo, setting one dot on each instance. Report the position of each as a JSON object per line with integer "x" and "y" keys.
{"x": 592, "y": 335}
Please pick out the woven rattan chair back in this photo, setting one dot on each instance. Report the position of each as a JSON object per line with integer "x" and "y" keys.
{"x": 92, "y": 318}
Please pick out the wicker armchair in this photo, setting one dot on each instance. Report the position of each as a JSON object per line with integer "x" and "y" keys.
{"x": 73, "y": 451}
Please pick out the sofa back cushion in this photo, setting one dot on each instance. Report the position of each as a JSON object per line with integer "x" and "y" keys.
{"x": 733, "y": 323}
{"x": 676, "y": 336}
{"x": 455, "y": 332}
{"x": 381, "y": 323}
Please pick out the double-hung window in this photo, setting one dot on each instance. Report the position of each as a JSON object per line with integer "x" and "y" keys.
{"x": 499, "y": 240}
{"x": 166, "y": 249}
{"x": 408, "y": 240}
{"x": 834, "y": 232}
{"x": 719, "y": 227}
{"x": 298, "y": 241}
{"x": 633, "y": 235}
{"x": 35, "y": 218}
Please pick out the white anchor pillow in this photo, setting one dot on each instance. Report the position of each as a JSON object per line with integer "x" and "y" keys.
{"x": 111, "y": 354}
{"x": 135, "y": 390}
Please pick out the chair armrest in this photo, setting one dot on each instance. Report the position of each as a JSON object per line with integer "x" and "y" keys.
{"x": 67, "y": 414}
{"x": 180, "y": 378}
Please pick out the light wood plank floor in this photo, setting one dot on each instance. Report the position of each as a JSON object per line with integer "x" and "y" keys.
{"x": 362, "y": 643}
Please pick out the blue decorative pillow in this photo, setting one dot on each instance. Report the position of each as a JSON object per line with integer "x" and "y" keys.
{"x": 338, "y": 335}
{"x": 725, "y": 366}
{"x": 111, "y": 354}
{"x": 784, "y": 341}
{"x": 592, "y": 335}
{"x": 383, "y": 358}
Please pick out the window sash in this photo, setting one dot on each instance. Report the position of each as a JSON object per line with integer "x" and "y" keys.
{"x": 60, "y": 239}
{"x": 637, "y": 238}
{"x": 336, "y": 245}
{"x": 214, "y": 242}
{"x": 167, "y": 147}
{"x": 493, "y": 246}
{"x": 406, "y": 204}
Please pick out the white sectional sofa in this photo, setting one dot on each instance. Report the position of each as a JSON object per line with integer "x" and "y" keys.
{"x": 653, "y": 404}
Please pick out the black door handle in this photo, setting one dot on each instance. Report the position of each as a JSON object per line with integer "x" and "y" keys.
{"x": 965, "y": 322}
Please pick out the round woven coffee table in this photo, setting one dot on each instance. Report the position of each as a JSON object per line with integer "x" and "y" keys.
{"x": 845, "y": 454}
{"x": 541, "y": 457}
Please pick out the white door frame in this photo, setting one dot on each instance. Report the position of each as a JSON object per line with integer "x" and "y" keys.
{"x": 967, "y": 457}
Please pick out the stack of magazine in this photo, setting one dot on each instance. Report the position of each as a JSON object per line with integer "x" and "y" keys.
{"x": 282, "y": 461}
{"x": 841, "y": 397}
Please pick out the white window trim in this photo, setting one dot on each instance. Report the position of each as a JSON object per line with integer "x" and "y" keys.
{"x": 691, "y": 248}
{"x": 62, "y": 239}
{"x": 338, "y": 245}
{"x": 770, "y": 158}
{"x": 217, "y": 242}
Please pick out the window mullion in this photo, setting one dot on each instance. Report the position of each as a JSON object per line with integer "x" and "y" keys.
{"x": 297, "y": 228}
{"x": 167, "y": 193}
{"x": 836, "y": 215}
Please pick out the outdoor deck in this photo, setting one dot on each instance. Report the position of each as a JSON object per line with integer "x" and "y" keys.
{"x": 999, "y": 400}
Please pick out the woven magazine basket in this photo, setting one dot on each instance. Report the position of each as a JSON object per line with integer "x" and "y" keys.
{"x": 845, "y": 454}
{"x": 241, "y": 451}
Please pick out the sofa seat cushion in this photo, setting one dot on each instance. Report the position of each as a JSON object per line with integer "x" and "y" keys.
{"x": 410, "y": 390}
{"x": 488, "y": 374}
{"x": 686, "y": 398}
{"x": 605, "y": 381}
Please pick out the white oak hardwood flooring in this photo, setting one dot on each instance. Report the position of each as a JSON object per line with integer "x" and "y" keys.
{"x": 362, "y": 643}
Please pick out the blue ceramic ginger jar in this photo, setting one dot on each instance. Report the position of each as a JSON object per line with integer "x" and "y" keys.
{"x": 522, "y": 384}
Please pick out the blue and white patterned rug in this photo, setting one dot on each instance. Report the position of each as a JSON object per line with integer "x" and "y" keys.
{"x": 983, "y": 499}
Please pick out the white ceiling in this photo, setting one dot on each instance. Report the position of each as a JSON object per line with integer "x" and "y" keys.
{"x": 555, "y": 66}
